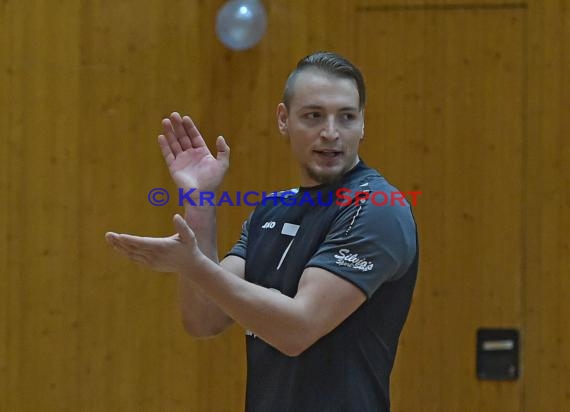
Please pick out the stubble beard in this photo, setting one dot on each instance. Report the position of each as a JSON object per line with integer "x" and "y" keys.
{"x": 325, "y": 178}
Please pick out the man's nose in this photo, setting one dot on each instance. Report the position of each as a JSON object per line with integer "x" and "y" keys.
{"x": 330, "y": 130}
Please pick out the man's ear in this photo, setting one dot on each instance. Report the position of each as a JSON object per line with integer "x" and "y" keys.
{"x": 282, "y": 116}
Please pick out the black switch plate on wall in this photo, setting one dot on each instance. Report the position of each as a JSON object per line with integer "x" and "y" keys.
{"x": 497, "y": 354}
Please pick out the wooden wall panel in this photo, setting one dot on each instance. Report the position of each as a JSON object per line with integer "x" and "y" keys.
{"x": 137, "y": 65}
{"x": 444, "y": 117}
{"x": 547, "y": 221}
{"x": 39, "y": 274}
{"x": 83, "y": 86}
{"x": 4, "y": 179}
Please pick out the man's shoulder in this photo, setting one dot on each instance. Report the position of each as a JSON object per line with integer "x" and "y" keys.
{"x": 371, "y": 181}
{"x": 379, "y": 200}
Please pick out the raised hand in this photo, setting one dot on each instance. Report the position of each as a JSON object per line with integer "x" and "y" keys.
{"x": 189, "y": 160}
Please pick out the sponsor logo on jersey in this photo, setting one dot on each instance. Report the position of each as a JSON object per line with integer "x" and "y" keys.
{"x": 289, "y": 229}
{"x": 268, "y": 225}
{"x": 351, "y": 260}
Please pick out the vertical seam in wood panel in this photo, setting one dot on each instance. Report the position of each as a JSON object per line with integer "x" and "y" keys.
{"x": 83, "y": 363}
{"x": 524, "y": 204}
{"x": 9, "y": 273}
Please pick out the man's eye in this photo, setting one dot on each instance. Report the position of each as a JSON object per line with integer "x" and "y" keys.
{"x": 313, "y": 115}
{"x": 348, "y": 116}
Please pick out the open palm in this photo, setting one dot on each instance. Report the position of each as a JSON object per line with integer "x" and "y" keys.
{"x": 189, "y": 160}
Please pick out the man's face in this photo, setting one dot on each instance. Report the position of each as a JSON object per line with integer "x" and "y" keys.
{"x": 324, "y": 125}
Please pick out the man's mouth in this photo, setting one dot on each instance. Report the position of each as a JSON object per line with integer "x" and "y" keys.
{"x": 328, "y": 153}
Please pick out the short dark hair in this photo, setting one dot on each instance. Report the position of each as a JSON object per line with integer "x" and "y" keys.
{"x": 330, "y": 63}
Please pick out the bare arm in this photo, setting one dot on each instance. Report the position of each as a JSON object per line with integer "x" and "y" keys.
{"x": 192, "y": 166}
{"x": 202, "y": 317}
{"x": 291, "y": 325}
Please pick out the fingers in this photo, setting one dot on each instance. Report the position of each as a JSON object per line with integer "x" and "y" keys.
{"x": 165, "y": 150}
{"x": 134, "y": 244}
{"x": 193, "y": 133}
{"x": 124, "y": 249}
{"x": 180, "y": 133}
{"x": 170, "y": 135}
{"x": 180, "y": 225}
{"x": 138, "y": 244}
{"x": 223, "y": 149}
